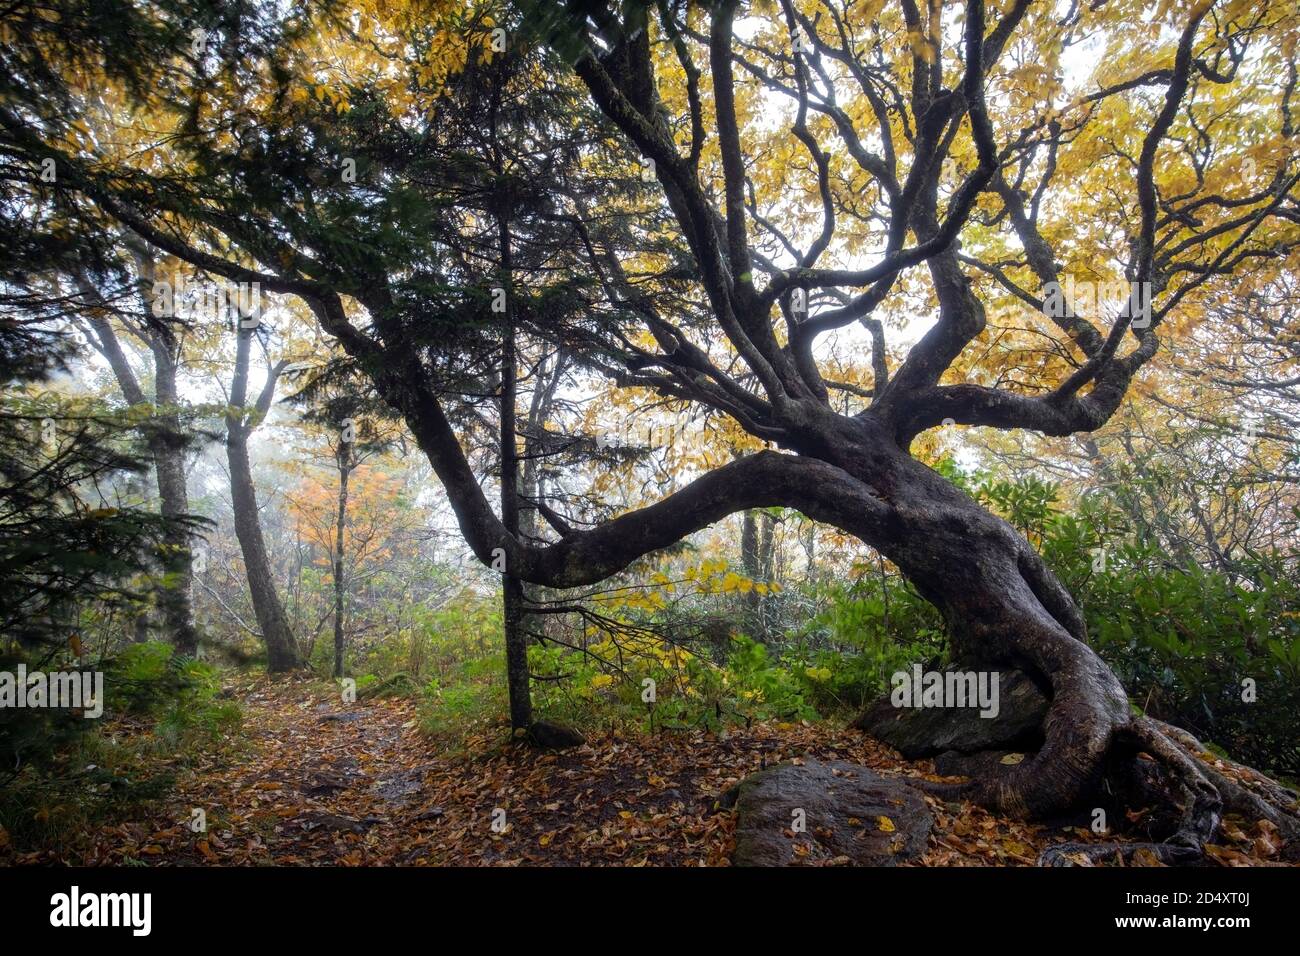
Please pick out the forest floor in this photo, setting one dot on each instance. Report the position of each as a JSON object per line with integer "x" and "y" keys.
{"x": 315, "y": 782}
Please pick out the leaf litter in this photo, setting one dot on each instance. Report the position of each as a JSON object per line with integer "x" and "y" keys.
{"x": 320, "y": 783}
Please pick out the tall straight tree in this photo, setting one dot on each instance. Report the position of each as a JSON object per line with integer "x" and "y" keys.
{"x": 242, "y": 419}
{"x": 345, "y": 464}
{"x": 512, "y": 586}
{"x": 166, "y": 440}
{"x": 357, "y": 427}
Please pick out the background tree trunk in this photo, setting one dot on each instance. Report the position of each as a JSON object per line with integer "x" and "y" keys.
{"x": 756, "y": 559}
{"x": 345, "y": 468}
{"x": 281, "y": 652}
{"x": 166, "y": 446}
{"x": 169, "y": 465}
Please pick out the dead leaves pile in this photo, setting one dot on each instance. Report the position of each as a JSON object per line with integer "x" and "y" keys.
{"x": 321, "y": 783}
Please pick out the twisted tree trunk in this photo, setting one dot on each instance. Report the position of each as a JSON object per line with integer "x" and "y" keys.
{"x": 1006, "y": 610}
{"x": 1003, "y": 607}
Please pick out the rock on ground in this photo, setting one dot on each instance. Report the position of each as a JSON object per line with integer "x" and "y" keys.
{"x": 850, "y": 815}
{"x": 549, "y": 736}
{"x": 918, "y": 732}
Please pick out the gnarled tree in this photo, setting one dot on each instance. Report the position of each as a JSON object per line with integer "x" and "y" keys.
{"x": 820, "y": 166}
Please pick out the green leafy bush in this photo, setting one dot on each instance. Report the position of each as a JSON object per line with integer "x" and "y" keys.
{"x": 64, "y": 771}
{"x": 1214, "y": 651}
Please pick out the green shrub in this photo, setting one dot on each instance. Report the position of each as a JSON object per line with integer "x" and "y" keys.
{"x": 66, "y": 772}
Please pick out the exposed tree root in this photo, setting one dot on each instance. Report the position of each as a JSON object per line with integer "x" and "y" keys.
{"x": 1253, "y": 796}
{"x": 1073, "y": 854}
{"x": 1088, "y": 709}
{"x": 1201, "y": 806}
{"x": 1093, "y": 745}
{"x": 1181, "y": 778}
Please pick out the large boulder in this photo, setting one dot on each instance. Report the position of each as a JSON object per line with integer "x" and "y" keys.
{"x": 818, "y": 812}
{"x": 918, "y": 732}
{"x": 549, "y": 736}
